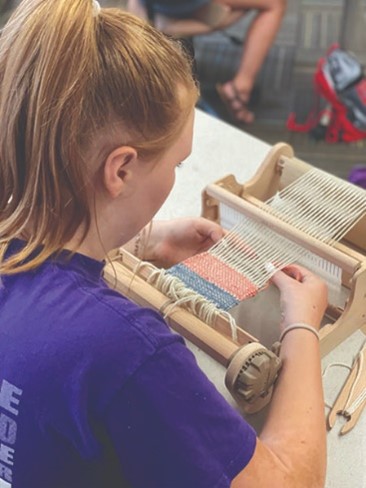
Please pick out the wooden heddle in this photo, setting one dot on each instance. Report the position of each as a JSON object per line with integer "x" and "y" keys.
{"x": 221, "y": 300}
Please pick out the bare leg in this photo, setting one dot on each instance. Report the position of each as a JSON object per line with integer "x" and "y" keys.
{"x": 180, "y": 27}
{"x": 210, "y": 17}
{"x": 259, "y": 39}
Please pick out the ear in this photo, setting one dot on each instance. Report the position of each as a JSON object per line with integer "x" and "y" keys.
{"x": 118, "y": 169}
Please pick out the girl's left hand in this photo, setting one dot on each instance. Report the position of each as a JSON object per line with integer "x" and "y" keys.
{"x": 173, "y": 241}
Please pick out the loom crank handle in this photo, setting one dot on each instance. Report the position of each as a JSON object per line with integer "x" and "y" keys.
{"x": 250, "y": 376}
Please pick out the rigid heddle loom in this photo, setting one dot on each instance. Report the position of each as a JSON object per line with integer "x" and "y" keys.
{"x": 221, "y": 300}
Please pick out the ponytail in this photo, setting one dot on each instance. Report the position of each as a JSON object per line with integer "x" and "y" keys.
{"x": 71, "y": 74}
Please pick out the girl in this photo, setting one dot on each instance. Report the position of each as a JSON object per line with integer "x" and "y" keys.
{"x": 96, "y": 112}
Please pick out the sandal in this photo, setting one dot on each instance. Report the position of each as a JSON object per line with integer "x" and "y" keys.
{"x": 236, "y": 105}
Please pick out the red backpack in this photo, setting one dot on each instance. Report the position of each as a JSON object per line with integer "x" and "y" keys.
{"x": 339, "y": 81}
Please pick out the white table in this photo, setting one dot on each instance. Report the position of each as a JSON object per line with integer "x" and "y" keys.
{"x": 218, "y": 150}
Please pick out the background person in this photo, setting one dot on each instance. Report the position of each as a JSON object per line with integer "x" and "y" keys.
{"x": 176, "y": 17}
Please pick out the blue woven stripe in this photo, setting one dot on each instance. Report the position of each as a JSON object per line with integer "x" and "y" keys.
{"x": 211, "y": 292}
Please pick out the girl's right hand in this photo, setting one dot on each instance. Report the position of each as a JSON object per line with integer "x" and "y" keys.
{"x": 304, "y": 296}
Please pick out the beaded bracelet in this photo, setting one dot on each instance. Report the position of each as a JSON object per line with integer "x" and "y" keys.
{"x": 299, "y": 325}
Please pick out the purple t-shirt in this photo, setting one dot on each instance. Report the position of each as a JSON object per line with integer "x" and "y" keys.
{"x": 98, "y": 392}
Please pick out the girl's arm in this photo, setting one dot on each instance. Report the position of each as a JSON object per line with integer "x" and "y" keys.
{"x": 291, "y": 450}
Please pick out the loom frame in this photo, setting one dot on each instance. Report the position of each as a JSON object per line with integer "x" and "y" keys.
{"x": 278, "y": 169}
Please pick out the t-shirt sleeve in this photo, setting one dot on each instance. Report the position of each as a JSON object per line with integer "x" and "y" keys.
{"x": 171, "y": 428}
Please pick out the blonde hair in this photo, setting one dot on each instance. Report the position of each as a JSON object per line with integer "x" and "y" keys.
{"x": 69, "y": 75}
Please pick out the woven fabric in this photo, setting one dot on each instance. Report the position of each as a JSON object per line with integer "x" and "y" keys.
{"x": 214, "y": 280}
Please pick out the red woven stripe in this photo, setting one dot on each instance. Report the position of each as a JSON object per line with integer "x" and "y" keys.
{"x": 220, "y": 274}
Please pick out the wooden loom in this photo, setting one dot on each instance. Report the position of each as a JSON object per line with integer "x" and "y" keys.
{"x": 252, "y": 366}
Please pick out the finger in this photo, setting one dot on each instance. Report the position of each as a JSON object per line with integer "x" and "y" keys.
{"x": 208, "y": 229}
{"x": 217, "y": 234}
{"x": 281, "y": 279}
{"x": 294, "y": 272}
{"x": 306, "y": 275}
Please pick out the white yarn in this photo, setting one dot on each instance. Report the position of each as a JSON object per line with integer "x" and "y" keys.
{"x": 180, "y": 295}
